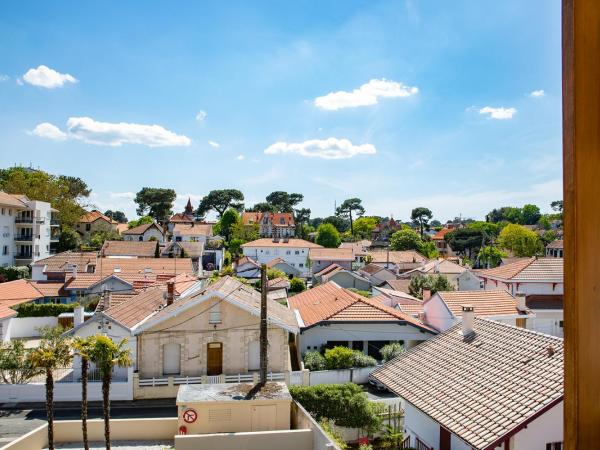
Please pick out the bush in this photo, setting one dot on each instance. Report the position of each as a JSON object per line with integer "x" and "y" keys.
{"x": 359, "y": 359}
{"x": 339, "y": 358}
{"x": 390, "y": 351}
{"x": 12, "y": 273}
{"x": 314, "y": 361}
{"x": 44, "y": 309}
{"x": 297, "y": 285}
{"x": 346, "y": 404}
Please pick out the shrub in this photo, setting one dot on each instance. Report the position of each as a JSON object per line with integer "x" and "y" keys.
{"x": 333, "y": 434}
{"x": 390, "y": 351}
{"x": 359, "y": 359}
{"x": 339, "y": 358}
{"x": 297, "y": 285}
{"x": 346, "y": 404}
{"x": 44, "y": 309}
{"x": 314, "y": 361}
{"x": 12, "y": 273}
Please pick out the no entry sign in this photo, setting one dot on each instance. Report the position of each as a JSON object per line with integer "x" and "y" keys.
{"x": 190, "y": 416}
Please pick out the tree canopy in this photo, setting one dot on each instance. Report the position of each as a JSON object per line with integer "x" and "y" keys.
{"x": 364, "y": 226}
{"x": 527, "y": 215}
{"x": 348, "y": 207}
{"x": 220, "y": 200}
{"x": 434, "y": 283}
{"x": 227, "y": 222}
{"x": 421, "y": 217}
{"x": 283, "y": 202}
{"x": 465, "y": 241}
{"x": 156, "y": 203}
{"x": 119, "y": 216}
{"x": 519, "y": 240}
{"x": 405, "y": 239}
{"x": 328, "y": 236}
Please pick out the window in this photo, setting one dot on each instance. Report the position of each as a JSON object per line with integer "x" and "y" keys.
{"x": 10, "y": 212}
{"x": 5, "y": 250}
{"x": 554, "y": 446}
{"x": 88, "y": 226}
{"x": 297, "y": 252}
{"x": 171, "y": 359}
{"x": 141, "y": 238}
{"x": 215, "y": 314}
{"x": 3, "y": 211}
{"x": 288, "y": 252}
{"x": 300, "y": 265}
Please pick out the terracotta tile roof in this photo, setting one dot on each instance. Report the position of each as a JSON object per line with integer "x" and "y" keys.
{"x": 397, "y": 257}
{"x": 292, "y": 242}
{"x": 483, "y": 386}
{"x": 278, "y": 283}
{"x": 195, "y": 229}
{"x": 191, "y": 249}
{"x": 538, "y": 269}
{"x": 61, "y": 262}
{"x": 113, "y": 299}
{"x": 250, "y": 218}
{"x": 397, "y": 297}
{"x": 441, "y": 266}
{"x": 183, "y": 282}
{"x": 275, "y": 219}
{"x": 439, "y": 236}
{"x": 49, "y": 288}
{"x": 235, "y": 292}
{"x": 559, "y": 243}
{"x": 13, "y": 293}
{"x": 485, "y": 303}
{"x": 135, "y": 310}
{"x": 247, "y": 260}
{"x": 398, "y": 285}
{"x": 371, "y": 269}
{"x": 11, "y": 200}
{"x": 141, "y": 229}
{"x": 330, "y": 269}
{"x": 94, "y": 215}
{"x": 142, "y": 249}
{"x": 331, "y": 254}
{"x": 122, "y": 227}
{"x": 181, "y": 218}
{"x": 414, "y": 309}
{"x": 144, "y": 266}
{"x": 274, "y": 262}
{"x": 329, "y": 302}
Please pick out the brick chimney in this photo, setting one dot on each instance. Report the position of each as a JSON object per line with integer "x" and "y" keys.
{"x": 521, "y": 304}
{"x": 468, "y": 318}
{"x": 426, "y": 294}
{"x": 170, "y": 292}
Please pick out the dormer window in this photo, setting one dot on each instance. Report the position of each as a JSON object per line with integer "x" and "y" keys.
{"x": 117, "y": 270}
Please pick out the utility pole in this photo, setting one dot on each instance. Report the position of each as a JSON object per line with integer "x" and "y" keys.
{"x": 263, "y": 325}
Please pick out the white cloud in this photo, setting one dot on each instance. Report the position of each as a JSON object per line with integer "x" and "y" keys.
{"x": 201, "y": 116}
{"x": 91, "y": 131}
{"x": 498, "y": 113}
{"x": 214, "y": 144}
{"x": 49, "y": 131}
{"x": 240, "y": 157}
{"x": 46, "y": 77}
{"x": 332, "y": 148}
{"x": 4, "y": 77}
{"x": 367, "y": 94}
{"x": 537, "y": 93}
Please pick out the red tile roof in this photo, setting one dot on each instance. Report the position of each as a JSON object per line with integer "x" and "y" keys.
{"x": 331, "y": 254}
{"x": 142, "y": 249}
{"x": 194, "y": 229}
{"x": 275, "y": 219}
{"x": 94, "y": 215}
{"x": 13, "y": 293}
{"x": 138, "y": 308}
{"x": 536, "y": 269}
{"x": 141, "y": 229}
{"x": 485, "y": 303}
{"x": 397, "y": 257}
{"x": 61, "y": 262}
{"x": 439, "y": 236}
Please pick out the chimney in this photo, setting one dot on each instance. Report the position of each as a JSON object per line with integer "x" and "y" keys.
{"x": 74, "y": 271}
{"x": 426, "y": 294}
{"x": 521, "y": 304}
{"x": 468, "y": 316}
{"x": 78, "y": 316}
{"x": 170, "y": 292}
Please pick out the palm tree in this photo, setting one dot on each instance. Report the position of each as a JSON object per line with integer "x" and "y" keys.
{"x": 107, "y": 354}
{"x": 54, "y": 352}
{"x": 83, "y": 347}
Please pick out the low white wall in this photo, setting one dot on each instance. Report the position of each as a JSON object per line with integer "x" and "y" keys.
{"x": 262, "y": 440}
{"x": 301, "y": 419}
{"x": 330, "y": 377}
{"x": 29, "y": 326}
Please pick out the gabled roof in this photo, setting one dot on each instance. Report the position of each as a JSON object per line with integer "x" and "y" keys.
{"x": 121, "y": 227}
{"x": 246, "y": 260}
{"x": 275, "y": 219}
{"x": 13, "y": 293}
{"x": 138, "y": 308}
{"x": 371, "y": 269}
{"x": 559, "y": 243}
{"x": 329, "y": 302}
{"x": 181, "y": 218}
{"x": 398, "y": 285}
{"x": 94, "y": 215}
{"x": 62, "y": 262}
{"x": 439, "y": 236}
{"x": 397, "y": 296}
{"x": 532, "y": 269}
{"x": 141, "y": 229}
{"x": 235, "y": 292}
{"x": 11, "y": 201}
{"x": 439, "y": 266}
{"x": 397, "y": 257}
{"x": 281, "y": 242}
{"x": 482, "y": 387}
{"x": 193, "y": 229}
{"x": 142, "y": 249}
{"x": 491, "y": 303}
{"x": 278, "y": 283}
{"x": 331, "y": 254}
{"x": 191, "y": 249}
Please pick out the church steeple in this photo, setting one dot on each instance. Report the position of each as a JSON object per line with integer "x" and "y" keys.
{"x": 189, "y": 209}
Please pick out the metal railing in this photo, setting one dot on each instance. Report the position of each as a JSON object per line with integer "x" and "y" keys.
{"x": 24, "y": 220}
{"x": 420, "y": 445}
{"x": 405, "y": 443}
{"x": 218, "y": 379}
{"x": 23, "y": 237}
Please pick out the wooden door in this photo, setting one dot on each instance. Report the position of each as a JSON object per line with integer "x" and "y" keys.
{"x": 444, "y": 439}
{"x": 214, "y": 358}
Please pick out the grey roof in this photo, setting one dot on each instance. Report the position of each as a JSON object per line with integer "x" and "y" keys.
{"x": 483, "y": 386}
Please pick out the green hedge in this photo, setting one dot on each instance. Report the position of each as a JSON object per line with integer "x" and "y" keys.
{"x": 44, "y": 309}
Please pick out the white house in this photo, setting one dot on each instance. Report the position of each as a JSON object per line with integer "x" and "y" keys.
{"x": 320, "y": 258}
{"x": 444, "y": 267}
{"x": 331, "y": 316}
{"x": 145, "y": 232}
{"x": 192, "y": 232}
{"x": 294, "y": 252}
{"x": 542, "y": 282}
{"x": 28, "y": 230}
{"x": 481, "y": 385}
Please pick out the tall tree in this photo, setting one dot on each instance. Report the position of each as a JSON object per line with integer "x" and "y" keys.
{"x": 83, "y": 348}
{"x": 53, "y": 352}
{"x": 328, "y": 236}
{"x": 107, "y": 355}
{"x": 156, "y": 203}
{"x": 363, "y": 227}
{"x": 520, "y": 241}
{"x": 119, "y": 216}
{"x": 284, "y": 202}
{"x": 406, "y": 239}
{"x": 349, "y": 206}
{"x": 557, "y": 205}
{"x": 220, "y": 200}
{"x": 465, "y": 241}
{"x": 261, "y": 207}
{"x": 227, "y": 221}
{"x": 302, "y": 219}
{"x": 421, "y": 217}
{"x": 340, "y": 223}
{"x": 435, "y": 283}
{"x": 531, "y": 214}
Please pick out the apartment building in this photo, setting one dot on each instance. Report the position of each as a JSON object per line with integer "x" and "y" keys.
{"x": 28, "y": 230}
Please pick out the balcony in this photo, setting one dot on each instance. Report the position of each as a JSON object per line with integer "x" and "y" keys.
{"x": 40, "y": 220}
{"x": 54, "y": 223}
{"x": 23, "y": 257}
{"x": 25, "y": 220}
{"x": 24, "y": 237}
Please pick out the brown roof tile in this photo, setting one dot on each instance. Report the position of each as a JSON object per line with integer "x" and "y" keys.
{"x": 141, "y": 249}
{"x": 538, "y": 269}
{"x": 397, "y": 257}
{"x": 13, "y": 293}
{"x": 62, "y": 261}
{"x": 94, "y": 215}
{"x": 11, "y": 200}
{"x": 483, "y": 386}
{"x": 194, "y": 229}
{"x": 331, "y": 254}
{"x": 141, "y": 229}
{"x": 135, "y": 310}
{"x": 491, "y": 303}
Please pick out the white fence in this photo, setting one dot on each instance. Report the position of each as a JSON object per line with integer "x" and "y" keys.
{"x": 358, "y": 375}
{"x": 219, "y": 379}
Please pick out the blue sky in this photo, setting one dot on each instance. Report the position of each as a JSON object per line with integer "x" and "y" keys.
{"x": 400, "y": 103}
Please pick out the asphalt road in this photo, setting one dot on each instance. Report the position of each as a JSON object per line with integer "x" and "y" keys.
{"x": 18, "y": 420}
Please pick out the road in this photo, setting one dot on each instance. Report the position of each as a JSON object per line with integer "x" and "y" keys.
{"x": 18, "y": 420}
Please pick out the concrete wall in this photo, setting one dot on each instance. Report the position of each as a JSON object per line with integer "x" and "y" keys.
{"x": 419, "y": 425}
{"x": 120, "y": 429}
{"x": 240, "y": 329}
{"x": 267, "y": 440}
{"x": 468, "y": 281}
{"x": 28, "y": 326}
{"x": 527, "y": 288}
{"x": 301, "y": 419}
{"x": 545, "y": 429}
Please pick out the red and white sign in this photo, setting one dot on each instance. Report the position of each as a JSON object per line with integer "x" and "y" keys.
{"x": 190, "y": 416}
